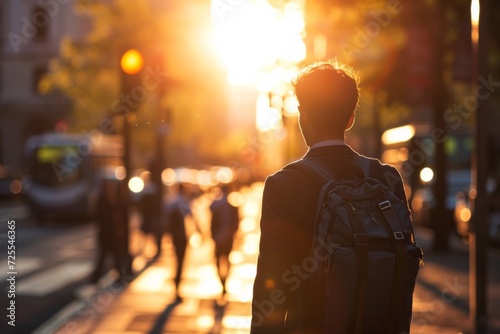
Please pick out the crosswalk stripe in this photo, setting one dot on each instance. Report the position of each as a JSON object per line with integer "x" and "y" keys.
{"x": 54, "y": 278}
{"x": 19, "y": 212}
{"x": 24, "y": 266}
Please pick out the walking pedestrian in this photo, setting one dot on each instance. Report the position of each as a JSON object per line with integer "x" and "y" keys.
{"x": 224, "y": 224}
{"x": 175, "y": 212}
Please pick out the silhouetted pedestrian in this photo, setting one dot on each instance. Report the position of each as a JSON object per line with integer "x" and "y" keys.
{"x": 149, "y": 206}
{"x": 111, "y": 219}
{"x": 225, "y": 220}
{"x": 176, "y": 212}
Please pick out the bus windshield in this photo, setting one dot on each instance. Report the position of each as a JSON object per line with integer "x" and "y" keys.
{"x": 458, "y": 150}
{"x": 412, "y": 150}
{"x": 51, "y": 169}
{"x": 419, "y": 151}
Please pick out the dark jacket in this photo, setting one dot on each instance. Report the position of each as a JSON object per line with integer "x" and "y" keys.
{"x": 224, "y": 224}
{"x": 175, "y": 215}
{"x": 284, "y": 300}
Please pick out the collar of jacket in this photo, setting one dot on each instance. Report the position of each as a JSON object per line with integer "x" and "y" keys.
{"x": 330, "y": 150}
{"x": 330, "y": 142}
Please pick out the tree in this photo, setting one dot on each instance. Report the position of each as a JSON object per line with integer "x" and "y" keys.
{"x": 172, "y": 36}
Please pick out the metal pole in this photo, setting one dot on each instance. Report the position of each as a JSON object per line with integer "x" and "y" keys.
{"x": 479, "y": 237}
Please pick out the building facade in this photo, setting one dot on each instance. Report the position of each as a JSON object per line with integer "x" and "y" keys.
{"x": 31, "y": 32}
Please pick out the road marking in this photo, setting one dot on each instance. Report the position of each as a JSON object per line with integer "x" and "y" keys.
{"x": 24, "y": 266}
{"x": 88, "y": 243}
{"x": 18, "y": 212}
{"x": 54, "y": 278}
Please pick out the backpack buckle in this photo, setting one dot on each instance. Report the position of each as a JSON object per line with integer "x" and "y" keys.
{"x": 385, "y": 205}
{"x": 399, "y": 235}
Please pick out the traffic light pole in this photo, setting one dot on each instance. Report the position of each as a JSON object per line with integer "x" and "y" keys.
{"x": 131, "y": 64}
{"x": 126, "y": 147}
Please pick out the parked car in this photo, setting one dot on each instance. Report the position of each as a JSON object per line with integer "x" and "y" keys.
{"x": 463, "y": 214}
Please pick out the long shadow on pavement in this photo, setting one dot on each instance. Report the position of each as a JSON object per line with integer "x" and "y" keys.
{"x": 163, "y": 318}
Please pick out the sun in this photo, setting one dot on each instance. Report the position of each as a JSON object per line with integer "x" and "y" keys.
{"x": 255, "y": 36}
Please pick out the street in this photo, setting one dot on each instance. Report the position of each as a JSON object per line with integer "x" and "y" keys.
{"x": 51, "y": 262}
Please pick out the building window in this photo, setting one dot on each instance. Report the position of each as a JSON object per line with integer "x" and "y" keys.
{"x": 41, "y": 20}
{"x": 38, "y": 74}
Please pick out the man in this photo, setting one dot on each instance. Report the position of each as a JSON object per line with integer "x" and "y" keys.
{"x": 285, "y": 299}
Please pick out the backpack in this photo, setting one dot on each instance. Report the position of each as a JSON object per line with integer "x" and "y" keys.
{"x": 367, "y": 256}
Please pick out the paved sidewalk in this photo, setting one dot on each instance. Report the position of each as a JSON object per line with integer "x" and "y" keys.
{"x": 148, "y": 305}
{"x": 441, "y": 298}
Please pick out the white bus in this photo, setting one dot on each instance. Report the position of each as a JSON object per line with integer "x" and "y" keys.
{"x": 63, "y": 171}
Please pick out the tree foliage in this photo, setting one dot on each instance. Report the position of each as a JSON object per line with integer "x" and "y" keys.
{"x": 173, "y": 37}
{"x": 87, "y": 70}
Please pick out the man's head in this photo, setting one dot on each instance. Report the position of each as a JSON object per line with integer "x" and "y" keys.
{"x": 328, "y": 96}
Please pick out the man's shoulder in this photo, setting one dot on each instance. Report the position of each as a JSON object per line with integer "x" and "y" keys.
{"x": 387, "y": 175}
{"x": 290, "y": 178}
{"x": 287, "y": 171}
{"x": 378, "y": 167}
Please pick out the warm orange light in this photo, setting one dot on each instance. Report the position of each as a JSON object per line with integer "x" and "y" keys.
{"x": 249, "y": 50}
{"x": 398, "y": 135}
{"x": 465, "y": 214}
{"x": 132, "y": 61}
{"x": 474, "y": 11}
{"x": 474, "y": 16}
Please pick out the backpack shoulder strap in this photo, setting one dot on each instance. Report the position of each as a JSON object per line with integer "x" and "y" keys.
{"x": 365, "y": 164}
{"x": 321, "y": 175}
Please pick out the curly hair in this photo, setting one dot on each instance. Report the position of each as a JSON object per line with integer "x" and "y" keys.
{"x": 328, "y": 93}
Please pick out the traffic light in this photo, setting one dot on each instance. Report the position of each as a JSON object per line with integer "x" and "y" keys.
{"x": 131, "y": 64}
